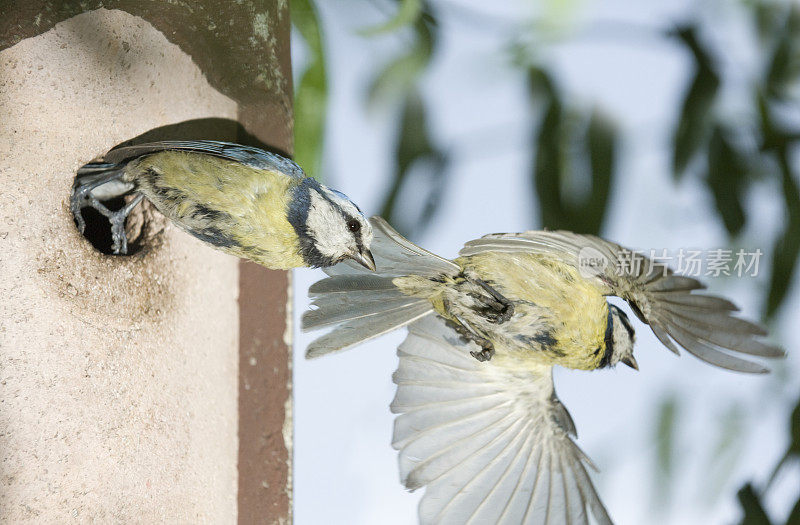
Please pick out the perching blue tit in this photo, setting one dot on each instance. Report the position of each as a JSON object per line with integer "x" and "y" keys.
{"x": 479, "y": 424}
{"x": 242, "y": 200}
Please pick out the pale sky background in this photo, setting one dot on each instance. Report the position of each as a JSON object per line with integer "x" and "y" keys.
{"x": 345, "y": 469}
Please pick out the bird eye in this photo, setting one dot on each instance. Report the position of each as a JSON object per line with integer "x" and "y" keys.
{"x": 353, "y": 225}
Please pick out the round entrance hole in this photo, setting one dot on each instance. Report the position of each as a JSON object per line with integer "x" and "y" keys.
{"x": 143, "y": 226}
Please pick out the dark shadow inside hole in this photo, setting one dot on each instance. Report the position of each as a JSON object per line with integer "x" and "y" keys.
{"x": 98, "y": 228}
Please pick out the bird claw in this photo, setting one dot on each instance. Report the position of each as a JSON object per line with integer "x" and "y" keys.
{"x": 484, "y": 355}
{"x": 82, "y": 198}
{"x": 498, "y": 308}
{"x": 79, "y": 200}
{"x": 487, "y": 348}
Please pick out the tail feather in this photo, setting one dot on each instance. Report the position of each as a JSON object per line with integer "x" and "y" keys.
{"x": 350, "y": 310}
{"x": 361, "y": 306}
{"x": 343, "y": 284}
{"x": 355, "y": 332}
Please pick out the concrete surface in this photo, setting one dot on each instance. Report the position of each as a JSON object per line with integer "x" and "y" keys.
{"x": 118, "y": 375}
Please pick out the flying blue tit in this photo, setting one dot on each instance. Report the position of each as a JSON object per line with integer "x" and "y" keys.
{"x": 479, "y": 424}
{"x": 242, "y": 200}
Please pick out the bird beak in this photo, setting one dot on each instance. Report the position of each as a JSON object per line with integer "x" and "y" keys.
{"x": 364, "y": 258}
{"x": 631, "y": 362}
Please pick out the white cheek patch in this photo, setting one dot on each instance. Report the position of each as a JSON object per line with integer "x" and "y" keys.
{"x": 623, "y": 341}
{"x": 326, "y": 224}
{"x": 352, "y": 210}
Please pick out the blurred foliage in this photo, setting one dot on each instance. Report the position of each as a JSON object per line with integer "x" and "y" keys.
{"x": 726, "y": 449}
{"x": 751, "y": 499}
{"x": 415, "y": 155}
{"x": 575, "y": 158}
{"x": 419, "y": 175}
{"x": 399, "y": 76}
{"x": 665, "y": 447}
{"x": 695, "y": 116}
{"x": 731, "y": 168}
{"x": 727, "y": 178}
{"x": 408, "y": 13}
{"x": 793, "y": 450}
{"x": 781, "y": 75}
{"x": 754, "y": 513}
{"x": 311, "y": 93}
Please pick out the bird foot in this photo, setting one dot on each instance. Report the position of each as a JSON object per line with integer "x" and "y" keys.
{"x": 498, "y": 309}
{"x": 117, "y": 219}
{"x": 82, "y": 198}
{"x": 467, "y": 335}
{"x": 484, "y": 355}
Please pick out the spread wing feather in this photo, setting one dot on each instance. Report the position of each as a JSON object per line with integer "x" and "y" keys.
{"x": 489, "y": 442}
{"x": 702, "y": 324}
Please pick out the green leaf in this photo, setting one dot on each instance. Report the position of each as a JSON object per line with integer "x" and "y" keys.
{"x": 665, "y": 438}
{"x": 398, "y": 77}
{"x": 784, "y": 64}
{"x": 794, "y": 516}
{"x": 793, "y": 451}
{"x": 549, "y": 167}
{"x": 575, "y": 161}
{"x": 415, "y": 151}
{"x": 726, "y": 450}
{"x": 408, "y": 13}
{"x": 787, "y": 247}
{"x": 311, "y": 94}
{"x": 696, "y": 109}
{"x": 794, "y": 447}
{"x": 754, "y": 513}
{"x": 602, "y": 144}
{"x": 727, "y": 179}
{"x": 769, "y": 19}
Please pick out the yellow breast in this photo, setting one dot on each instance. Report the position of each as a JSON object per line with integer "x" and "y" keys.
{"x": 553, "y": 304}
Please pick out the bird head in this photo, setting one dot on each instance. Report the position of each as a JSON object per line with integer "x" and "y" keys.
{"x": 620, "y": 337}
{"x": 329, "y": 226}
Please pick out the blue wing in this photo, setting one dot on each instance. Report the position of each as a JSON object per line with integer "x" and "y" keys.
{"x": 248, "y": 155}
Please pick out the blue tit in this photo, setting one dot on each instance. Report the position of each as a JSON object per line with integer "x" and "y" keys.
{"x": 479, "y": 424}
{"x": 242, "y": 200}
